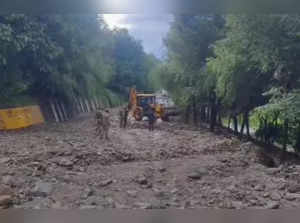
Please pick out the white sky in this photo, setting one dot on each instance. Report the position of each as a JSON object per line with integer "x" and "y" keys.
{"x": 150, "y": 29}
{"x": 116, "y": 20}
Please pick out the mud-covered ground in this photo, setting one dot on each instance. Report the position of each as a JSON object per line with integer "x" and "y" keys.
{"x": 67, "y": 166}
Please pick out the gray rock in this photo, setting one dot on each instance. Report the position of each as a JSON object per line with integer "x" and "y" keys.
{"x": 88, "y": 192}
{"x": 265, "y": 195}
{"x": 272, "y": 171}
{"x": 259, "y": 187}
{"x": 158, "y": 205}
{"x": 253, "y": 202}
{"x": 132, "y": 193}
{"x": 84, "y": 207}
{"x": 162, "y": 169}
{"x": 4, "y": 160}
{"x": 5, "y": 201}
{"x": 237, "y": 204}
{"x": 66, "y": 162}
{"x": 273, "y": 205}
{"x": 142, "y": 180}
{"x": 294, "y": 188}
{"x": 197, "y": 174}
{"x": 143, "y": 205}
{"x": 275, "y": 196}
{"x": 37, "y": 203}
{"x": 292, "y": 196}
{"x": 106, "y": 183}
{"x": 8, "y": 180}
{"x": 42, "y": 189}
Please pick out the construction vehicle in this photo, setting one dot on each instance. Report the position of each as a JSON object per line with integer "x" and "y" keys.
{"x": 138, "y": 102}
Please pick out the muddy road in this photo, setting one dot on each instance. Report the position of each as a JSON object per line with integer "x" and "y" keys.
{"x": 66, "y": 166}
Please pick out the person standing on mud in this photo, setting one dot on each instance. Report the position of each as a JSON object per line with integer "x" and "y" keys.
{"x": 102, "y": 124}
{"x": 99, "y": 123}
{"x": 121, "y": 118}
{"x": 123, "y": 115}
{"x": 126, "y": 111}
{"x": 106, "y": 124}
{"x": 150, "y": 113}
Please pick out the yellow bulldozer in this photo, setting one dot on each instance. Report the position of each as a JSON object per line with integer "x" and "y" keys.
{"x": 138, "y": 103}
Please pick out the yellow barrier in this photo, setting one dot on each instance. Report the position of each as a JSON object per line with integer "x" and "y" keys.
{"x": 20, "y": 117}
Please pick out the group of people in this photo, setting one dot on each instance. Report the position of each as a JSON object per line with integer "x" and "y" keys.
{"x": 103, "y": 120}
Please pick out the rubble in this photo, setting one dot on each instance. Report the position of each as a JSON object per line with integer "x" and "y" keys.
{"x": 64, "y": 166}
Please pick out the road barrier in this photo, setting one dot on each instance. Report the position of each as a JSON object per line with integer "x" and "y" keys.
{"x": 22, "y": 117}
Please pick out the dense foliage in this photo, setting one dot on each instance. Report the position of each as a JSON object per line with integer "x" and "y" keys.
{"x": 65, "y": 57}
{"x": 237, "y": 66}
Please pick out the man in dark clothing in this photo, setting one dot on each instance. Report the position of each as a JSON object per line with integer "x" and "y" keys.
{"x": 126, "y": 111}
{"x": 150, "y": 113}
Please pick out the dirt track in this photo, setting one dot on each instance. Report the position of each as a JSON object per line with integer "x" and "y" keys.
{"x": 66, "y": 166}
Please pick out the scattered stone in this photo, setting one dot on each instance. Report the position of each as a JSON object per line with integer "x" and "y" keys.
{"x": 273, "y": 205}
{"x": 88, "y": 192}
{"x": 158, "y": 205}
{"x": 110, "y": 202}
{"x": 259, "y": 187}
{"x": 294, "y": 188}
{"x": 132, "y": 193}
{"x": 56, "y": 205}
{"x": 142, "y": 180}
{"x": 5, "y": 201}
{"x": 106, "y": 183}
{"x": 292, "y": 196}
{"x": 197, "y": 174}
{"x": 42, "y": 189}
{"x": 85, "y": 207}
{"x": 143, "y": 205}
{"x": 273, "y": 171}
{"x": 162, "y": 169}
{"x": 237, "y": 204}
{"x": 66, "y": 162}
{"x": 275, "y": 196}
{"x": 253, "y": 202}
{"x": 4, "y": 160}
{"x": 265, "y": 195}
{"x": 8, "y": 180}
{"x": 174, "y": 191}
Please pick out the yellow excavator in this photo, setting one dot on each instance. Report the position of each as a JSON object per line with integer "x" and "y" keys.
{"x": 138, "y": 103}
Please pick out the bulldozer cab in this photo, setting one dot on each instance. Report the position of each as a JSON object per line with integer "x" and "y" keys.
{"x": 143, "y": 100}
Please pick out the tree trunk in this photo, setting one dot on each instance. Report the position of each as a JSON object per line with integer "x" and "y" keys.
{"x": 297, "y": 144}
{"x": 235, "y": 124}
{"x": 195, "y": 112}
{"x": 213, "y": 117}
{"x": 286, "y": 134}
{"x": 187, "y": 114}
{"x": 213, "y": 110}
{"x": 229, "y": 122}
{"x": 242, "y": 127}
{"x": 202, "y": 113}
{"x": 219, "y": 119}
{"x": 247, "y": 124}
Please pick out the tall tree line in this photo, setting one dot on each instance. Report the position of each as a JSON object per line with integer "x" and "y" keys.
{"x": 237, "y": 67}
{"x": 67, "y": 63}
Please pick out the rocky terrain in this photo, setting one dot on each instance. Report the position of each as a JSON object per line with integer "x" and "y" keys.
{"x": 65, "y": 166}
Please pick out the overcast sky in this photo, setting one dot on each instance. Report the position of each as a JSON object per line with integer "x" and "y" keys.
{"x": 150, "y": 29}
